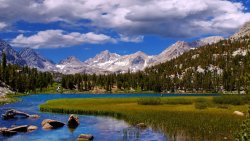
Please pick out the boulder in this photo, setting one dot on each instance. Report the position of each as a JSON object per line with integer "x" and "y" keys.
{"x": 73, "y": 121}
{"x": 32, "y": 128}
{"x": 51, "y": 124}
{"x": 22, "y": 128}
{"x": 13, "y": 130}
{"x": 238, "y": 113}
{"x": 9, "y": 114}
{"x": 82, "y": 137}
{"x": 141, "y": 125}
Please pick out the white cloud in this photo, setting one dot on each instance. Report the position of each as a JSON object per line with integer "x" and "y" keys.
{"x": 2, "y": 25}
{"x": 135, "y": 39}
{"x": 169, "y": 18}
{"x": 58, "y": 38}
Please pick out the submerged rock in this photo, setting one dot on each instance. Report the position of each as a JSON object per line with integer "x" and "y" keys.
{"x": 73, "y": 121}
{"x": 83, "y": 137}
{"x": 34, "y": 116}
{"x": 51, "y": 124}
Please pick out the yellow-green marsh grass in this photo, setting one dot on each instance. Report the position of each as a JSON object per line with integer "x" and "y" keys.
{"x": 212, "y": 123}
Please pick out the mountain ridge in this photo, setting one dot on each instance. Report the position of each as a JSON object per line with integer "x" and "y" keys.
{"x": 105, "y": 61}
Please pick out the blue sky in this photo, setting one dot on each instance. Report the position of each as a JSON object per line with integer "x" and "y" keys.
{"x": 82, "y": 28}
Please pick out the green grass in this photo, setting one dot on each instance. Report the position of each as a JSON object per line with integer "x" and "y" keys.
{"x": 10, "y": 98}
{"x": 232, "y": 99}
{"x": 173, "y": 119}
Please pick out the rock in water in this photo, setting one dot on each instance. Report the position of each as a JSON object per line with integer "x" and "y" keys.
{"x": 83, "y": 137}
{"x": 51, "y": 124}
{"x": 22, "y": 128}
{"x": 12, "y": 113}
{"x": 32, "y": 128}
{"x": 34, "y": 116}
{"x": 73, "y": 121}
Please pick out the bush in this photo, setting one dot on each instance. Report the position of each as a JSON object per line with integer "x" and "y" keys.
{"x": 231, "y": 99}
{"x": 176, "y": 101}
{"x": 149, "y": 101}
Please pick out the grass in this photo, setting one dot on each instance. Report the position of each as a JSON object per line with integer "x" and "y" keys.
{"x": 172, "y": 116}
{"x": 232, "y": 99}
{"x": 9, "y": 98}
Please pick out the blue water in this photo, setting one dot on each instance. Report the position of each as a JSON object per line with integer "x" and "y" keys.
{"x": 103, "y": 128}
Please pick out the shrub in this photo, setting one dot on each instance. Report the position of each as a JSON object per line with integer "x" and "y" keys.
{"x": 149, "y": 101}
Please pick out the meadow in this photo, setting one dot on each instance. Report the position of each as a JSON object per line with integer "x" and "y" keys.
{"x": 195, "y": 118}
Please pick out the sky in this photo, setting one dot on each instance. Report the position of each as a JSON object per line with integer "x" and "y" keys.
{"x": 57, "y": 29}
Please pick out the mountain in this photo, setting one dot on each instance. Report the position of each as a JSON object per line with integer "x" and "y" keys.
{"x": 173, "y": 51}
{"x": 180, "y": 47}
{"x": 102, "y": 59}
{"x": 11, "y": 55}
{"x": 221, "y": 67}
{"x": 116, "y": 63}
{"x": 244, "y": 30}
{"x": 206, "y": 41}
{"x": 35, "y": 60}
{"x": 72, "y": 65}
{"x": 104, "y": 62}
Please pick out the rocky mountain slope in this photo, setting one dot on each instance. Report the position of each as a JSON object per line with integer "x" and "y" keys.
{"x": 72, "y": 65}
{"x": 12, "y": 56}
{"x": 35, "y": 60}
{"x": 245, "y": 30}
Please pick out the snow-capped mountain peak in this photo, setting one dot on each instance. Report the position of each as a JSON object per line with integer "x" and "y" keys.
{"x": 71, "y": 60}
{"x": 104, "y": 56}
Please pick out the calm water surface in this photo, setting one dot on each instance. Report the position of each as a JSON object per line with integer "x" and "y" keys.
{"x": 103, "y": 128}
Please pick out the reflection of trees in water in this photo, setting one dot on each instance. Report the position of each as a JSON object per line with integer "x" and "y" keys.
{"x": 131, "y": 133}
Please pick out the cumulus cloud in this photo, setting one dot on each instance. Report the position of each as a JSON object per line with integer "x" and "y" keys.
{"x": 169, "y": 18}
{"x": 58, "y": 38}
